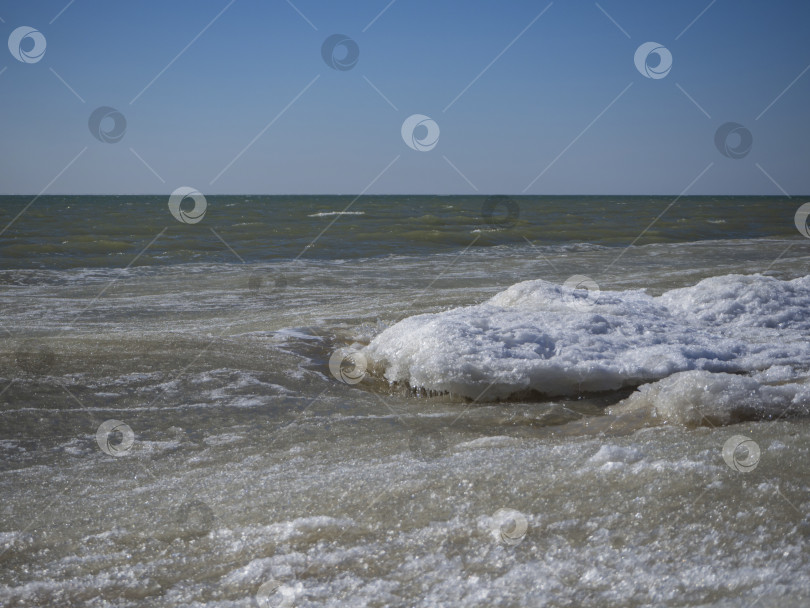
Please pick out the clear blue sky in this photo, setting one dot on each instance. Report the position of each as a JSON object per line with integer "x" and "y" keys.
{"x": 520, "y": 115}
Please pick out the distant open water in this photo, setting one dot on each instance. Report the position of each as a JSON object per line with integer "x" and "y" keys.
{"x": 107, "y": 231}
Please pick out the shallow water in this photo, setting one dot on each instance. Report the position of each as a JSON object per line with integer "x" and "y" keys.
{"x": 251, "y": 463}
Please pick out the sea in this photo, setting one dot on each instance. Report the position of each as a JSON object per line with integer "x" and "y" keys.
{"x": 416, "y": 401}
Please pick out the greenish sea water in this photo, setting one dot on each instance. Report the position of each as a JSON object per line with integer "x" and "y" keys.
{"x": 107, "y": 231}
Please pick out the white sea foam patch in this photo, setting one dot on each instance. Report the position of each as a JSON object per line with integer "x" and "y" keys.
{"x": 530, "y": 338}
{"x": 331, "y": 213}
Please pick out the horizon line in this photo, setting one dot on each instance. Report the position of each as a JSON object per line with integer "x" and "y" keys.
{"x": 477, "y": 194}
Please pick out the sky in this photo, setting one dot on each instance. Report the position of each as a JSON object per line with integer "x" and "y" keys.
{"x": 235, "y": 96}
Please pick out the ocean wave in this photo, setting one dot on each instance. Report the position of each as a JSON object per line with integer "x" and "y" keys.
{"x": 534, "y": 338}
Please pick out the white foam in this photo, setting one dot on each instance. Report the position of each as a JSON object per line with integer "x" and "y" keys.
{"x": 331, "y": 213}
{"x": 615, "y": 453}
{"x": 487, "y": 442}
{"x": 538, "y": 336}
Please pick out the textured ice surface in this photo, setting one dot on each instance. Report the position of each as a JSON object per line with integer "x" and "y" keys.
{"x": 693, "y": 397}
{"x": 539, "y": 336}
{"x": 256, "y": 465}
